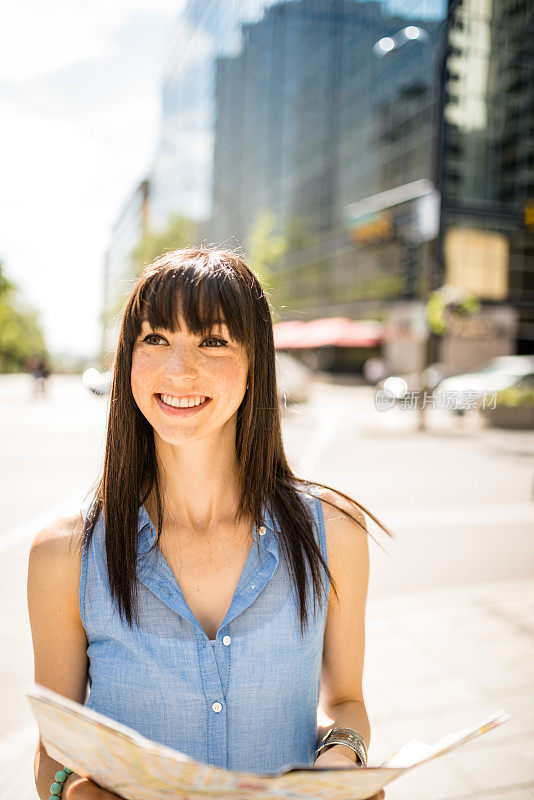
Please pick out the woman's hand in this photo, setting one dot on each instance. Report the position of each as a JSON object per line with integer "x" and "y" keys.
{"x": 86, "y": 789}
{"x": 333, "y": 758}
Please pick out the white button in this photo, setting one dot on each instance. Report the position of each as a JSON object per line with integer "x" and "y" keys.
{"x": 217, "y": 707}
{"x": 262, "y": 531}
{"x": 252, "y": 586}
{"x": 226, "y": 640}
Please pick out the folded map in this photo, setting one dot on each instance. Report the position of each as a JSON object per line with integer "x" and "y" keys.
{"x": 119, "y": 759}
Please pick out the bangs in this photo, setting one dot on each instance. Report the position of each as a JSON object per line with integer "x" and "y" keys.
{"x": 203, "y": 296}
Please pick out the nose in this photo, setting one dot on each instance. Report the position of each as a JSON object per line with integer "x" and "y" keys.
{"x": 183, "y": 361}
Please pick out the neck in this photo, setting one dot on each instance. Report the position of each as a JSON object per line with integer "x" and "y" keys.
{"x": 199, "y": 484}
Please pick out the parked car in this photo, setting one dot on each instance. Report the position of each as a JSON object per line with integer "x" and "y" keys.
{"x": 293, "y": 379}
{"x": 98, "y": 383}
{"x": 399, "y": 386}
{"x": 460, "y": 392}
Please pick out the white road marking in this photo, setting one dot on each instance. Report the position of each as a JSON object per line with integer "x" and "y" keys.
{"x": 27, "y": 530}
{"x": 450, "y": 516}
{"x": 323, "y": 428}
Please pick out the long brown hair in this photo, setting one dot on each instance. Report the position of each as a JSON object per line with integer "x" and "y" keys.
{"x": 201, "y": 284}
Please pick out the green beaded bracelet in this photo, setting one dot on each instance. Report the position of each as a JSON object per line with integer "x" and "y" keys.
{"x": 57, "y": 787}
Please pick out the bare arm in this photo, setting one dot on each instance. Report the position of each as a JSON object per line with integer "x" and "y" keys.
{"x": 59, "y": 640}
{"x": 341, "y": 699}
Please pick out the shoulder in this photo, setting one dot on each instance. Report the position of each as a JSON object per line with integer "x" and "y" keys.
{"x": 58, "y": 634}
{"x": 55, "y": 557}
{"x": 337, "y": 508}
{"x": 346, "y": 535}
{"x": 59, "y": 538}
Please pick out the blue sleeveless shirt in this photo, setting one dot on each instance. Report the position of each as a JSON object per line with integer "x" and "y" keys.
{"x": 246, "y": 701}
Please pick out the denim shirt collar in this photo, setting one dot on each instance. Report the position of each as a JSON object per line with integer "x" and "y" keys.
{"x": 155, "y": 573}
{"x": 147, "y": 533}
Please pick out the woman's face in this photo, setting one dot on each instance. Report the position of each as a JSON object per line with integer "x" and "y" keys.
{"x": 168, "y": 367}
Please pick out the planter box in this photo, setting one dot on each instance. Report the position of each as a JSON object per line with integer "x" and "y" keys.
{"x": 520, "y": 417}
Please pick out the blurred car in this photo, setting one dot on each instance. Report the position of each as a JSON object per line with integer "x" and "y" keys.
{"x": 399, "y": 386}
{"x": 293, "y": 379}
{"x": 460, "y": 392}
{"x": 98, "y": 383}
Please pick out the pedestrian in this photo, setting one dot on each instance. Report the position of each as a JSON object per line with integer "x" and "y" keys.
{"x": 182, "y": 593}
{"x": 40, "y": 371}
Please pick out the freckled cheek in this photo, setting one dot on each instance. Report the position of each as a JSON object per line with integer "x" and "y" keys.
{"x": 141, "y": 378}
{"x": 232, "y": 376}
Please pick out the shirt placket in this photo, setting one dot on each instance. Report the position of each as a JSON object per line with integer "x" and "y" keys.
{"x": 214, "y": 663}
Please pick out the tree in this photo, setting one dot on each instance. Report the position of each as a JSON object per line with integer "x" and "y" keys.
{"x": 179, "y": 232}
{"x": 266, "y": 246}
{"x": 21, "y": 335}
{"x": 297, "y": 234}
{"x": 448, "y": 303}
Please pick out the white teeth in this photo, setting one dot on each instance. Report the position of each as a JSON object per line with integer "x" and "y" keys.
{"x": 184, "y": 402}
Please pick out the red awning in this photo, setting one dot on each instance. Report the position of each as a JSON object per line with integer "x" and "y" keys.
{"x": 336, "y": 331}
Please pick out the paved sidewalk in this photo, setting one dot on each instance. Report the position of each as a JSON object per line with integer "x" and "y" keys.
{"x": 440, "y": 661}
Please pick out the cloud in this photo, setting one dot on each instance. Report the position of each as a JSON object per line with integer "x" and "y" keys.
{"x": 79, "y": 92}
{"x": 38, "y": 37}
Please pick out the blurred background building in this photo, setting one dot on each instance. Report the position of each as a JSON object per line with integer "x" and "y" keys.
{"x": 373, "y": 150}
{"x": 131, "y": 225}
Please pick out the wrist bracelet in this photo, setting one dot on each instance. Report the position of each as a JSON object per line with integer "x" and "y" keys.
{"x": 57, "y": 787}
{"x": 348, "y": 738}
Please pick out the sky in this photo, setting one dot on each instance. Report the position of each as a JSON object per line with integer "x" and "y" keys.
{"x": 79, "y": 121}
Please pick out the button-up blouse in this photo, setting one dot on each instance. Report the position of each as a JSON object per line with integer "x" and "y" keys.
{"x": 244, "y": 701}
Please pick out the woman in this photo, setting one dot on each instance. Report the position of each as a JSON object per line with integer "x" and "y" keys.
{"x": 189, "y": 609}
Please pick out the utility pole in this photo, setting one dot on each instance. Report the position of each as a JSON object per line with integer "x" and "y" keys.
{"x": 423, "y": 255}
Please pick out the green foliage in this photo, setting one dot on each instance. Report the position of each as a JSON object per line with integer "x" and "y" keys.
{"x": 179, "y": 232}
{"x": 297, "y": 235}
{"x": 269, "y": 243}
{"x": 7, "y": 287}
{"x": 515, "y": 396}
{"x": 266, "y": 246}
{"x": 447, "y": 303}
{"x": 21, "y": 334}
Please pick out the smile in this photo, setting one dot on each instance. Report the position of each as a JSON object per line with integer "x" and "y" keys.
{"x": 183, "y": 402}
{"x": 182, "y": 406}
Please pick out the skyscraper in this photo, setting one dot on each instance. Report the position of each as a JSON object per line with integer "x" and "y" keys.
{"x": 488, "y": 159}
{"x": 387, "y": 143}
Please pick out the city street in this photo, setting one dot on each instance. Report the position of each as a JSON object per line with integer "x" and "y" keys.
{"x": 450, "y": 637}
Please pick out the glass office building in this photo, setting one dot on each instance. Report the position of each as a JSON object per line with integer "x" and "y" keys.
{"x": 290, "y": 111}
{"x": 312, "y": 121}
{"x": 182, "y": 172}
{"x": 488, "y": 157}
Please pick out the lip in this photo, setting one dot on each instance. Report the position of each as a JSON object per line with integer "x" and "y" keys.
{"x": 181, "y": 412}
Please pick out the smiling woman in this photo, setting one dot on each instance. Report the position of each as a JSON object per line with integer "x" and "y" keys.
{"x": 222, "y": 363}
{"x": 201, "y": 568}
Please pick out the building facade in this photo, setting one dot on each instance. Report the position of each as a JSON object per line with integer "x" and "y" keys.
{"x": 128, "y": 230}
{"x": 388, "y": 144}
{"x": 182, "y": 170}
{"x": 390, "y": 175}
{"x": 488, "y": 156}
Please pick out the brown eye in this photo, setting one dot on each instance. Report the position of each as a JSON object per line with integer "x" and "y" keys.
{"x": 218, "y": 342}
{"x": 151, "y": 336}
